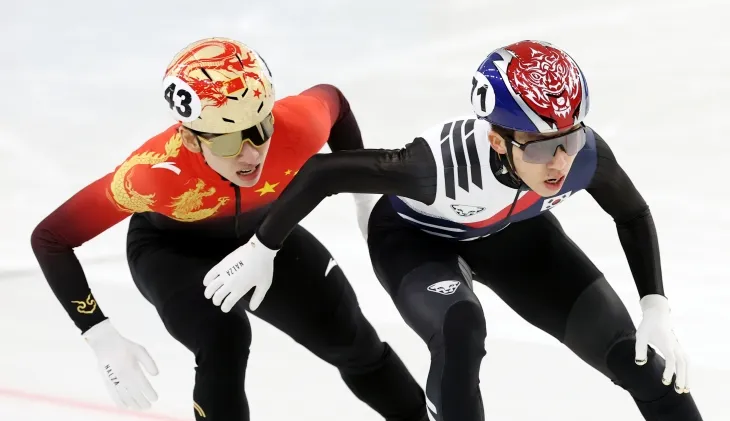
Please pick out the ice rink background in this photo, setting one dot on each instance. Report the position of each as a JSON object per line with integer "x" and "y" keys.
{"x": 81, "y": 89}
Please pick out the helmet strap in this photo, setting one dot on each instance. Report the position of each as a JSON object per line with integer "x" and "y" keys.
{"x": 503, "y": 169}
{"x": 508, "y": 162}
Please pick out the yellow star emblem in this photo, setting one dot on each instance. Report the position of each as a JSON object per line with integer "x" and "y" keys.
{"x": 287, "y": 172}
{"x": 267, "y": 188}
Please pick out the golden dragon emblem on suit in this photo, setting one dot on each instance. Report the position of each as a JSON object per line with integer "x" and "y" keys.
{"x": 186, "y": 207}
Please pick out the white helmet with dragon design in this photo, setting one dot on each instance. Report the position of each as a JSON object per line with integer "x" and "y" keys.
{"x": 218, "y": 85}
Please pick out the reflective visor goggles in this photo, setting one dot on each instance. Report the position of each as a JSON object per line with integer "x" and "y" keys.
{"x": 229, "y": 145}
{"x": 542, "y": 151}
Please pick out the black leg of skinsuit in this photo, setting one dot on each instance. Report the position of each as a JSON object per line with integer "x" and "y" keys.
{"x": 422, "y": 274}
{"x": 310, "y": 300}
{"x": 538, "y": 271}
{"x": 547, "y": 279}
{"x": 169, "y": 274}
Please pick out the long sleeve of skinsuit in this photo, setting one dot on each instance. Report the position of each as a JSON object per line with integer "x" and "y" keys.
{"x": 614, "y": 191}
{"x": 82, "y": 217}
{"x": 408, "y": 172}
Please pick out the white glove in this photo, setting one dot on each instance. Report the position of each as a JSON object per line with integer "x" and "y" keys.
{"x": 119, "y": 359}
{"x": 364, "y": 204}
{"x": 656, "y": 329}
{"x": 249, "y": 266}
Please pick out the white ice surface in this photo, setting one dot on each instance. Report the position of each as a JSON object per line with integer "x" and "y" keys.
{"x": 81, "y": 89}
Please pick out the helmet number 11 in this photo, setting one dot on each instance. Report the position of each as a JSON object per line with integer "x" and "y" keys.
{"x": 482, "y": 96}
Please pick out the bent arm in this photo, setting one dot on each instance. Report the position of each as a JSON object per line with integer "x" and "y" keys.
{"x": 408, "y": 172}
{"x": 81, "y": 218}
{"x": 614, "y": 191}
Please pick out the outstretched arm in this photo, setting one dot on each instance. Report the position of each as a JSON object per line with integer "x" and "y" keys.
{"x": 408, "y": 172}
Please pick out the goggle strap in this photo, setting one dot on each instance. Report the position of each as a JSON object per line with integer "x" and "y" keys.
{"x": 260, "y": 129}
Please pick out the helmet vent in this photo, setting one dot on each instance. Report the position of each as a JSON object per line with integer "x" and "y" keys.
{"x": 228, "y": 120}
{"x": 260, "y": 106}
{"x": 205, "y": 72}
{"x": 244, "y": 93}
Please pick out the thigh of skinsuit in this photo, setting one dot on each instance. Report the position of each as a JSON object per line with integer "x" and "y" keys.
{"x": 536, "y": 269}
{"x": 431, "y": 289}
{"x": 170, "y": 275}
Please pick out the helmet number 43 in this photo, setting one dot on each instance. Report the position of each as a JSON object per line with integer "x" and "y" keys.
{"x": 182, "y": 99}
{"x": 184, "y": 108}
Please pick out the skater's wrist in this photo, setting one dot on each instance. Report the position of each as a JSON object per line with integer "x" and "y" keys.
{"x": 99, "y": 331}
{"x": 654, "y": 301}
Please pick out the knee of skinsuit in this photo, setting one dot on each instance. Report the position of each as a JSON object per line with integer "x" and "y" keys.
{"x": 436, "y": 299}
{"x": 366, "y": 353}
{"x": 599, "y": 329}
{"x": 457, "y": 351}
{"x": 644, "y": 382}
{"x": 347, "y": 340}
{"x": 223, "y": 350}
{"x": 465, "y": 330}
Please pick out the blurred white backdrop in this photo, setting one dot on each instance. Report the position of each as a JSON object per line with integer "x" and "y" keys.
{"x": 81, "y": 89}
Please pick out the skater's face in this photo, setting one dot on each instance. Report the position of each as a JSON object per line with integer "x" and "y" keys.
{"x": 243, "y": 169}
{"x": 544, "y": 178}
